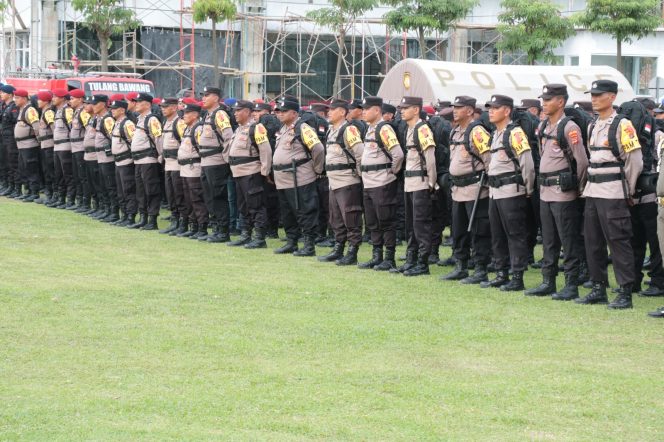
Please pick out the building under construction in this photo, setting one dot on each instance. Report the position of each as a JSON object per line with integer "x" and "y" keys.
{"x": 273, "y": 48}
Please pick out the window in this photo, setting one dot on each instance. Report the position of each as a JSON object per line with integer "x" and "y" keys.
{"x": 639, "y": 71}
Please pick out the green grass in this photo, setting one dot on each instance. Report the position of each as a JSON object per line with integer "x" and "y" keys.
{"x": 112, "y": 334}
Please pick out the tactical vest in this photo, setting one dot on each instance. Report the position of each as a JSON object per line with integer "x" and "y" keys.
{"x": 77, "y": 132}
{"x": 61, "y": 127}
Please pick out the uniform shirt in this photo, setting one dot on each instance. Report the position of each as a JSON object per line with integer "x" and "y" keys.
{"x": 414, "y": 162}
{"x": 61, "y": 128}
{"x": 660, "y": 179}
{"x": 119, "y": 144}
{"x": 89, "y": 140}
{"x": 334, "y": 154}
{"x": 372, "y": 154}
{"x": 77, "y": 132}
{"x": 501, "y": 163}
{"x": 170, "y": 143}
{"x": 45, "y": 133}
{"x": 188, "y": 151}
{"x": 144, "y": 140}
{"x": 27, "y": 127}
{"x": 241, "y": 146}
{"x": 103, "y": 127}
{"x": 630, "y": 154}
{"x": 463, "y": 163}
{"x": 220, "y": 140}
{"x": 289, "y": 148}
{"x": 552, "y": 159}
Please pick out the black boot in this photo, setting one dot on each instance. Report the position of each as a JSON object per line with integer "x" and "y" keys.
{"x": 174, "y": 225}
{"x": 183, "y": 226}
{"x": 570, "y": 291}
{"x": 336, "y": 253}
{"x": 112, "y": 217}
{"x": 596, "y": 296}
{"x": 411, "y": 261}
{"x": 54, "y": 200}
{"x": 309, "y": 248}
{"x": 502, "y": 278}
{"x": 62, "y": 203}
{"x": 434, "y": 257}
{"x": 191, "y": 229}
{"x": 258, "y": 242}
{"x": 376, "y": 258}
{"x": 44, "y": 199}
{"x": 131, "y": 219}
{"x": 447, "y": 262}
{"x": 653, "y": 290}
{"x": 350, "y": 258}
{"x": 102, "y": 213}
{"x": 219, "y": 234}
{"x": 142, "y": 220}
{"x": 583, "y": 277}
{"x": 120, "y": 221}
{"x": 245, "y": 238}
{"x": 151, "y": 223}
{"x": 479, "y": 275}
{"x": 289, "y": 247}
{"x": 420, "y": 268}
{"x": 201, "y": 233}
{"x": 32, "y": 196}
{"x": 460, "y": 272}
{"x": 516, "y": 284}
{"x": 7, "y": 190}
{"x": 624, "y": 298}
{"x": 546, "y": 288}
{"x": 388, "y": 262}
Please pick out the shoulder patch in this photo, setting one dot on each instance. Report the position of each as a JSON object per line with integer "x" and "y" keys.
{"x": 309, "y": 137}
{"x": 352, "y": 136}
{"x": 130, "y": 129}
{"x": 574, "y": 136}
{"x": 221, "y": 120}
{"x": 388, "y": 137}
{"x": 481, "y": 140}
{"x": 155, "y": 127}
{"x": 31, "y": 115}
{"x": 181, "y": 126}
{"x": 426, "y": 137}
{"x": 628, "y": 137}
{"x": 108, "y": 124}
{"x": 69, "y": 114}
{"x": 519, "y": 141}
{"x": 260, "y": 134}
{"x": 49, "y": 116}
{"x": 85, "y": 117}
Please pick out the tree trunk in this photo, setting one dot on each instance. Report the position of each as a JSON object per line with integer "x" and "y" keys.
{"x": 619, "y": 60}
{"x": 423, "y": 43}
{"x": 336, "y": 86}
{"x": 215, "y": 55}
{"x": 103, "y": 52}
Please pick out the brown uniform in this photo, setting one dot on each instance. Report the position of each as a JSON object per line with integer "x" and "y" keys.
{"x": 611, "y": 182}
{"x": 46, "y": 140}
{"x": 103, "y": 128}
{"x": 76, "y": 136}
{"x": 171, "y": 135}
{"x": 125, "y": 175}
{"x": 90, "y": 159}
{"x": 190, "y": 172}
{"x": 145, "y": 151}
{"x": 26, "y": 132}
{"x": 64, "y": 179}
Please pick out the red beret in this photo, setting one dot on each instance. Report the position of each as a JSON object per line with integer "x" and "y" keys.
{"x": 76, "y": 93}
{"x": 21, "y": 93}
{"x": 116, "y": 97}
{"x": 60, "y": 92}
{"x": 429, "y": 110}
{"x": 132, "y": 96}
{"x": 189, "y": 100}
{"x": 44, "y": 96}
{"x": 156, "y": 100}
{"x": 200, "y": 103}
{"x": 259, "y": 100}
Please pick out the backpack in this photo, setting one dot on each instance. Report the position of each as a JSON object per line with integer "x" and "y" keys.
{"x": 466, "y": 141}
{"x": 529, "y": 123}
{"x": 231, "y": 116}
{"x": 272, "y": 124}
{"x": 441, "y": 129}
{"x": 340, "y": 141}
{"x": 582, "y": 120}
{"x": 318, "y": 123}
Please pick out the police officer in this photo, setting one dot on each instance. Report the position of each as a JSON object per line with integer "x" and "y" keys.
{"x": 250, "y": 157}
{"x": 354, "y": 116}
{"x": 145, "y": 151}
{"x": 46, "y": 140}
{"x": 9, "y": 119}
{"x": 562, "y": 176}
{"x": 62, "y": 149}
{"x": 76, "y": 135}
{"x": 382, "y": 159}
{"x": 263, "y": 114}
{"x": 90, "y": 159}
{"x": 26, "y": 132}
{"x": 419, "y": 185}
{"x": 343, "y": 155}
{"x": 511, "y": 180}
{"x": 469, "y": 157}
{"x": 125, "y": 170}
{"x": 103, "y": 135}
{"x": 172, "y": 133}
{"x": 659, "y": 313}
{"x": 615, "y": 165}
{"x": 298, "y": 159}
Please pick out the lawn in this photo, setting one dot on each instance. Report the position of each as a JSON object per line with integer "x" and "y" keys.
{"x": 113, "y": 334}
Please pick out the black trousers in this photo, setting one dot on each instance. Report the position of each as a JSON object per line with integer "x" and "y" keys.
{"x": 48, "y": 168}
{"x": 439, "y": 217}
{"x": 251, "y": 201}
{"x": 509, "y": 241}
{"x": 401, "y": 208}
{"x": 380, "y": 213}
{"x": 94, "y": 180}
{"x": 175, "y": 193}
{"x": 608, "y": 222}
{"x": 110, "y": 191}
{"x": 214, "y": 180}
{"x": 479, "y": 237}
{"x": 323, "y": 188}
{"x": 125, "y": 180}
{"x": 81, "y": 186}
{"x": 64, "y": 178}
{"x": 561, "y": 226}
{"x": 13, "y": 176}
{"x": 644, "y": 228}
{"x": 304, "y": 217}
{"x": 534, "y": 221}
{"x": 197, "y": 211}
{"x": 4, "y": 166}
{"x": 29, "y": 165}
{"x": 271, "y": 199}
{"x": 418, "y": 206}
{"x": 148, "y": 188}
{"x": 346, "y": 214}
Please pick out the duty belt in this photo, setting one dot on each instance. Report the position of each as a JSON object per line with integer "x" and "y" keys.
{"x": 605, "y": 165}
{"x": 335, "y": 167}
{"x": 76, "y": 140}
{"x": 413, "y": 173}
{"x": 90, "y": 149}
{"x": 61, "y": 141}
{"x": 298, "y": 163}
{"x": 206, "y": 151}
{"x": 145, "y": 154}
{"x": 45, "y": 137}
{"x": 605, "y": 177}
{"x": 189, "y": 161}
{"x": 466, "y": 180}
{"x": 375, "y": 167}
{"x": 170, "y": 153}
{"x": 29, "y": 137}
{"x": 122, "y": 156}
{"x": 237, "y": 161}
{"x": 550, "y": 178}
{"x": 504, "y": 179}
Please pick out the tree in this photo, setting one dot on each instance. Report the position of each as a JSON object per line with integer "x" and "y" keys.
{"x": 106, "y": 18}
{"x": 216, "y": 11}
{"x": 622, "y": 19}
{"x": 426, "y": 16}
{"x": 535, "y": 28}
{"x": 340, "y": 17}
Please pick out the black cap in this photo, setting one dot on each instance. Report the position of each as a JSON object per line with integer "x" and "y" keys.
{"x": 336, "y": 104}
{"x": 87, "y": 99}
{"x": 144, "y": 97}
{"x": 464, "y": 100}
{"x": 530, "y": 102}
{"x": 288, "y": 103}
{"x": 262, "y": 106}
{"x": 356, "y": 104}
{"x": 169, "y": 102}
{"x": 584, "y": 105}
{"x": 319, "y": 107}
{"x": 389, "y": 109}
{"x": 115, "y": 104}
{"x": 411, "y": 101}
{"x": 500, "y": 100}
{"x": 442, "y": 104}
{"x": 243, "y": 104}
{"x": 603, "y": 86}
{"x": 212, "y": 90}
{"x": 553, "y": 90}
{"x": 191, "y": 107}
{"x": 99, "y": 98}
{"x": 647, "y": 102}
{"x": 372, "y": 101}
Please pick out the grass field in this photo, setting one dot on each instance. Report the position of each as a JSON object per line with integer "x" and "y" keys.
{"x": 112, "y": 334}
